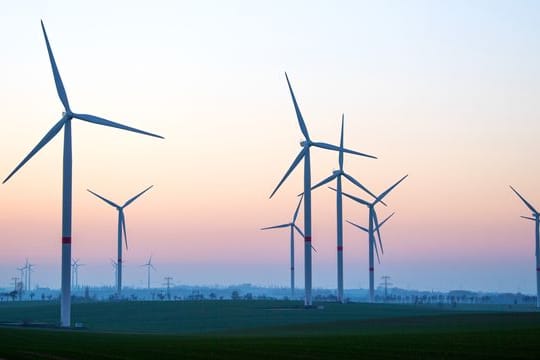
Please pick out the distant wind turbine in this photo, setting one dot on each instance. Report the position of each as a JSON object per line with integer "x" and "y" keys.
{"x": 75, "y": 269}
{"x": 536, "y": 218}
{"x": 337, "y": 174}
{"x": 304, "y": 154}
{"x": 373, "y": 228}
{"x": 121, "y": 230}
{"x": 149, "y": 266}
{"x": 65, "y": 122}
{"x": 23, "y": 269}
{"x": 292, "y": 226}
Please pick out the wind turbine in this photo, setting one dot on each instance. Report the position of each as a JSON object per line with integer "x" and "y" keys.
{"x": 23, "y": 270}
{"x": 121, "y": 229}
{"x": 65, "y": 123}
{"x": 337, "y": 174}
{"x": 292, "y": 226}
{"x": 149, "y": 265}
{"x": 536, "y": 218}
{"x": 373, "y": 227}
{"x": 75, "y": 268}
{"x": 304, "y": 154}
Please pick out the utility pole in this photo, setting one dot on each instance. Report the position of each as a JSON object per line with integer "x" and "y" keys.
{"x": 385, "y": 283}
{"x": 168, "y": 283}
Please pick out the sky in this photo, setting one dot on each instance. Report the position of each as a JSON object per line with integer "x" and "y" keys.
{"x": 445, "y": 91}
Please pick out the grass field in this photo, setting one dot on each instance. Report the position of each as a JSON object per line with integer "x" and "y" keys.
{"x": 270, "y": 329}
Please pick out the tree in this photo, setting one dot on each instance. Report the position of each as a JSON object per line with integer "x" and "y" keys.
{"x": 235, "y": 295}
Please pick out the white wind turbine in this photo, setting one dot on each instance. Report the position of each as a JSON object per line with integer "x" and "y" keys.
{"x": 373, "y": 228}
{"x": 536, "y": 218}
{"x": 75, "y": 270}
{"x": 23, "y": 269}
{"x": 304, "y": 154}
{"x": 337, "y": 174}
{"x": 121, "y": 229}
{"x": 65, "y": 123}
{"x": 292, "y": 226}
{"x": 149, "y": 266}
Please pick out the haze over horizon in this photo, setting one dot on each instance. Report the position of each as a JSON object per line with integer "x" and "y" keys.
{"x": 443, "y": 91}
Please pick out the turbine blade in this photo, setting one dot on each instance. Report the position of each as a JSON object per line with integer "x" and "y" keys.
{"x": 299, "y": 116}
{"x": 313, "y": 247}
{"x": 322, "y": 182}
{"x": 50, "y": 134}
{"x": 525, "y": 201}
{"x": 57, "y": 79}
{"x": 385, "y": 220}
{"x": 297, "y": 208}
{"x": 352, "y": 197}
{"x": 387, "y": 191}
{"x": 136, "y": 196}
{"x": 377, "y": 226}
{"x": 276, "y": 226}
{"x": 358, "y": 184}
{"x": 358, "y": 226}
{"x": 100, "y": 121}
{"x": 104, "y": 199}
{"x": 299, "y": 231}
{"x": 337, "y": 148}
{"x": 341, "y": 143}
{"x": 123, "y": 220}
{"x": 376, "y": 250}
{"x": 528, "y": 218}
{"x": 295, "y": 162}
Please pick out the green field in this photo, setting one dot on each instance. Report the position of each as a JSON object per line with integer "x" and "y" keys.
{"x": 270, "y": 329}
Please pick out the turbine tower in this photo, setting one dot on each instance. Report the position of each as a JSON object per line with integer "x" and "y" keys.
{"x": 536, "y": 218}
{"x": 304, "y": 154}
{"x": 65, "y": 123}
{"x": 148, "y": 266}
{"x": 373, "y": 227}
{"x": 337, "y": 174}
{"x": 292, "y": 226}
{"x": 121, "y": 229}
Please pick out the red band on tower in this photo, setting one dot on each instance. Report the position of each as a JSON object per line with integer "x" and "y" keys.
{"x": 66, "y": 239}
{"x": 371, "y": 269}
{"x": 307, "y": 238}
{"x": 538, "y": 269}
{"x": 340, "y": 248}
